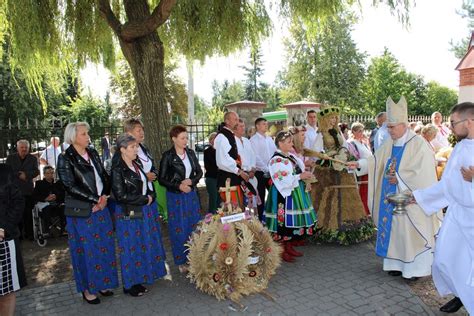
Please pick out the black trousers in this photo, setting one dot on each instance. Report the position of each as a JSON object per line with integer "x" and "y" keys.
{"x": 26, "y": 225}
{"x": 262, "y": 187}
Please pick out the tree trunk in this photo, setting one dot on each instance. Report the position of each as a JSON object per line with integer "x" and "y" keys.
{"x": 145, "y": 56}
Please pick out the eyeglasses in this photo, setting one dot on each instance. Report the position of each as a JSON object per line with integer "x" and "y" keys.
{"x": 453, "y": 124}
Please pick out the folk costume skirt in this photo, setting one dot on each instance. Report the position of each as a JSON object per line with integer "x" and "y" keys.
{"x": 92, "y": 247}
{"x": 184, "y": 212}
{"x": 292, "y": 217}
{"x": 12, "y": 272}
{"x": 140, "y": 247}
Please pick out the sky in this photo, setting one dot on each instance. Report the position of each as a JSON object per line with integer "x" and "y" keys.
{"x": 422, "y": 48}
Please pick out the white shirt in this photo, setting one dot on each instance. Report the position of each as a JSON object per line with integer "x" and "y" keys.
{"x": 453, "y": 268}
{"x": 146, "y": 162}
{"x": 51, "y": 154}
{"x": 381, "y": 136}
{"x": 441, "y": 139}
{"x": 313, "y": 139}
{"x": 247, "y": 155}
{"x": 143, "y": 177}
{"x": 362, "y": 149}
{"x": 223, "y": 160}
{"x": 264, "y": 148}
{"x": 187, "y": 166}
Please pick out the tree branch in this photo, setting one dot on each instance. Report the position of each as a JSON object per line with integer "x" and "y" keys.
{"x": 135, "y": 29}
{"x": 108, "y": 14}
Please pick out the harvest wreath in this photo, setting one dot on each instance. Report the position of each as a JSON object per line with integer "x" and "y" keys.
{"x": 232, "y": 254}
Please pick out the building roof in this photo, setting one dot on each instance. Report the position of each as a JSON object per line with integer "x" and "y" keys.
{"x": 468, "y": 60}
{"x": 302, "y": 104}
{"x": 275, "y": 116}
{"x": 247, "y": 103}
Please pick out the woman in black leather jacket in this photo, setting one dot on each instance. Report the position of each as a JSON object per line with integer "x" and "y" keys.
{"x": 180, "y": 172}
{"x": 91, "y": 238}
{"x": 12, "y": 204}
{"x": 142, "y": 256}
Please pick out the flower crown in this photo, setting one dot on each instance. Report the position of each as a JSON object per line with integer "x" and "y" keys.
{"x": 329, "y": 110}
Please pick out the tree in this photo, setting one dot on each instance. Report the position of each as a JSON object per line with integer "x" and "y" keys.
{"x": 253, "y": 87}
{"x": 123, "y": 84}
{"x": 226, "y": 93}
{"x": 467, "y": 12}
{"x": 324, "y": 63}
{"x": 439, "y": 98}
{"x": 385, "y": 77}
{"x": 43, "y": 33}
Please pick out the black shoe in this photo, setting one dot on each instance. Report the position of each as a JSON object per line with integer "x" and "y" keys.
{"x": 141, "y": 288}
{"x": 95, "y": 301}
{"x": 133, "y": 291}
{"x": 395, "y": 273}
{"x": 106, "y": 293}
{"x": 412, "y": 279}
{"x": 452, "y": 306}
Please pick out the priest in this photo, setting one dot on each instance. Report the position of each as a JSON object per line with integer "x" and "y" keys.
{"x": 453, "y": 267}
{"x": 404, "y": 162}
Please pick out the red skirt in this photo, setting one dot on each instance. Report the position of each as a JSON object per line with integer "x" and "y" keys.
{"x": 363, "y": 191}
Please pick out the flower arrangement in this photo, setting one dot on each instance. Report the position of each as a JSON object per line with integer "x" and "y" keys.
{"x": 229, "y": 260}
{"x": 350, "y": 233}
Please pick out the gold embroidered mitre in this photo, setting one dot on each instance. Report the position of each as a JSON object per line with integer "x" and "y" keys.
{"x": 397, "y": 112}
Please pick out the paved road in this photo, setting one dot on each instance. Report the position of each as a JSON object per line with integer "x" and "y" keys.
{"x": 328, "y": 280}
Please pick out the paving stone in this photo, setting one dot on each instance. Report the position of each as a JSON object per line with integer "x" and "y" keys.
{"x": 328, "y": 280}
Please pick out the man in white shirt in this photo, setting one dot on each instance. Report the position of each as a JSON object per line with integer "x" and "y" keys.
{"x": 441, "y": 139}
{"x": 264, "y": 148}
{"x": 247, "y": 156}
{"x": 50, "y": 154}
{"x": 379, "y": 119}
{"x": 453, "y": 267}
{"x": 228, "y": 161}
{"x": 313, "y": 139}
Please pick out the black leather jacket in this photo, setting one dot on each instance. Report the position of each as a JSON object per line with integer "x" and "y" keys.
{"x": 127, "y": 185}
{"x": 172, "y": 170}
{"x": 78, "y": 176}
{"x": 12, "y": 204}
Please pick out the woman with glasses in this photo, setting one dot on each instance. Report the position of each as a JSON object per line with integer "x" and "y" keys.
{"x": 289, "y": 211}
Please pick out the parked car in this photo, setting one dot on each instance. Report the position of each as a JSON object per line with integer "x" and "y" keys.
{"x": 200, "y": 146}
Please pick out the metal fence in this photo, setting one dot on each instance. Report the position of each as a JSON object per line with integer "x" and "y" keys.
{"x": 39, "y": 135}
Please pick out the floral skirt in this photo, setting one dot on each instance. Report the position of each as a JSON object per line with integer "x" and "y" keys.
{"x": 184, "y": 212}
{"x": 140, "y": 247}
{"x": 92, "y": 247}
{"x": 290, "y": 217}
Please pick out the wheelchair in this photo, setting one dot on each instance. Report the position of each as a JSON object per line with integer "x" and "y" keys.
{"x": 42, "y": 230}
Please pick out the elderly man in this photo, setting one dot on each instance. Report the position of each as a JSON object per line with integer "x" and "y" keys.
{"x": 228, "y": 160}
{"x": 441, "y": 139}
{"x": 403, "y": 162}
{"x": 50, "y": 155}
{"x": 25, "y": 167}
{"x": 453, "y": 267}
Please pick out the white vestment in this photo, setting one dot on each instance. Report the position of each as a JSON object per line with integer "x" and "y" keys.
{"x": 453, "y": 267}
{"x": 411, "y": 241}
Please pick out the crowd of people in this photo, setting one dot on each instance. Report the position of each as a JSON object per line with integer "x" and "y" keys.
{"x": 322, "y": 178}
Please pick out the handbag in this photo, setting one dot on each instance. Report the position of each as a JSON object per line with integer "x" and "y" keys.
{"x": 133, "y": 211}
{"x": 77, "y": 208}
